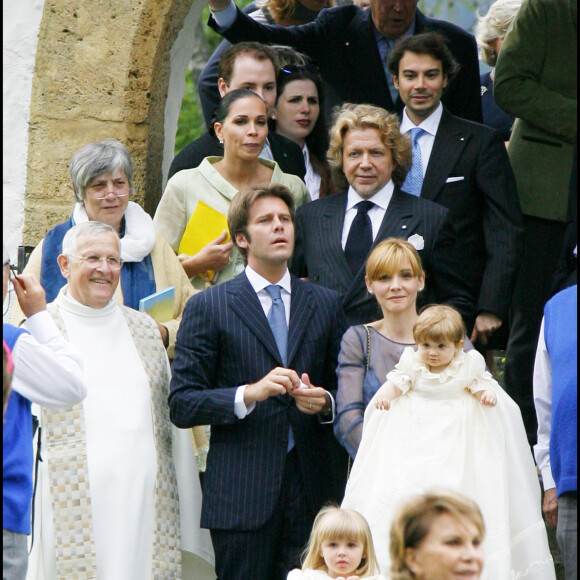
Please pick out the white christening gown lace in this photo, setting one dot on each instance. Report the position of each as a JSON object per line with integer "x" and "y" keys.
{"x": 437, "y": 434}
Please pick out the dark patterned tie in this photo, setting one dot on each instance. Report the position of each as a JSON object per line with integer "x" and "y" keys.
{"x": 360, "y": 237}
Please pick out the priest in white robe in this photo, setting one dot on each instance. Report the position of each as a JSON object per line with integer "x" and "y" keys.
{"x": 109, "y": 505}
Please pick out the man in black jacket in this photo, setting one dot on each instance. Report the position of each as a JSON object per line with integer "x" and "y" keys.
{"x": 464, "y": 167}
{"x": 335, "y": 234}
{"x": 251, "y": 66}
{"x": 351, "y": 47}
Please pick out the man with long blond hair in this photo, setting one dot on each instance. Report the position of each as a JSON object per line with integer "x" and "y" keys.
{"x": 334, "y": 235}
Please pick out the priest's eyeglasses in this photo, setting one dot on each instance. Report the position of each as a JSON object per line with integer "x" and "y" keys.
{"x": 95, "y": 261}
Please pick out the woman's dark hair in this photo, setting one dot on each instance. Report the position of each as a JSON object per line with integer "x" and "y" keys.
{"x": 229, "y": 99}
{"x": 317, "y": 141}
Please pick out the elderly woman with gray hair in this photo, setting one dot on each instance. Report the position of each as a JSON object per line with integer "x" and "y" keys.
{"x": 102, "y": 180}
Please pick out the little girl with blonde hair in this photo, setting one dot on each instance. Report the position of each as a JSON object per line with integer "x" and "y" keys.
{"x": 340, "y": 547}
{"x": 441, "y": 420}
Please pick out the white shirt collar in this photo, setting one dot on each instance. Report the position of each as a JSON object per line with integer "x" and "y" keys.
{"x": 381, "y": 198}
{"x": 266, "y": 152}
{"x": 430, "y": 124}
{"x": 259, "y": 282}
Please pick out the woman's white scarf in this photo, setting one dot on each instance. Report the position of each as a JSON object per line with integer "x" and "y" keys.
{"x": 139, "y": 238}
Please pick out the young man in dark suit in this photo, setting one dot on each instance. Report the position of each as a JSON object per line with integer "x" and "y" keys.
{"x": 248, "y": 65}
{"x": 335, "y": 234}
{"x": 351, "y": 46}
{"x": 256, "y": 359}
{"x": 464, "y": 167}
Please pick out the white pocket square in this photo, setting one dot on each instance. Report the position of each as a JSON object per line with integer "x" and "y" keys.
{"x": 417, "y": 241}
{"x": 452, "y": 179}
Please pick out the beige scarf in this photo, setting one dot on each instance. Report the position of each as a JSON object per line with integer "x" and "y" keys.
{"x": 67, "y": 462}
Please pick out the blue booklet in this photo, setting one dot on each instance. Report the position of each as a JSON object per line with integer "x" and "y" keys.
{"x": 159, "y": 305}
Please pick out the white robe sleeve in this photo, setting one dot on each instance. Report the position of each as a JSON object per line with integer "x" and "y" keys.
{"x": 48, "y": 370}
{"x": 403, "y": 373}
{"x": 478, "y": 379}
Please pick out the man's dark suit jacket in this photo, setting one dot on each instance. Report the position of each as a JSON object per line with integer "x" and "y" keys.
{"x": 287, "y": 154}
{"x": 225, "y": 341}
{"x": 318, "y": 253}
{"x": 470, "y": 174}
{"x": 342, "y": 44}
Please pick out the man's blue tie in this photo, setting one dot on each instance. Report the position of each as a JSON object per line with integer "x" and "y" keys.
{"x": 277, "y": 322}
{"x": 360, "y": 237}
{"x": 414, "y": 180}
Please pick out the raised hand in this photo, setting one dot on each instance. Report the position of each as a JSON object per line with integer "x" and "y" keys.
{"x": 30, "y": 294}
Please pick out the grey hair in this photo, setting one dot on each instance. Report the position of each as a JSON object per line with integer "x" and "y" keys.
{"x": 494, "y": 25}
{"x": 71, "y": 239}
{"x": 96, "y": 158}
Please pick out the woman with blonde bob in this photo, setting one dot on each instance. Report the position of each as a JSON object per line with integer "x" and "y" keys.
{"x": 436, "y": 535}
{"x": 340, "y": 546}
{"x": 395, "y": 277}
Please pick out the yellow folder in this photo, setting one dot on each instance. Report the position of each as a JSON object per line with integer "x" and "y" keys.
{"x": 204, "y": 226}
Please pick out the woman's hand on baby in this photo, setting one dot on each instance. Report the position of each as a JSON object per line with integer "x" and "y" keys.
{"x": 385, "y": 396}
{"x": 487, "y": 397}
{"x": 383, "y": 404}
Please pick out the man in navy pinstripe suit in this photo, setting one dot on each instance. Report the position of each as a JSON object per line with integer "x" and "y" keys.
{"x": 273, "y": 460}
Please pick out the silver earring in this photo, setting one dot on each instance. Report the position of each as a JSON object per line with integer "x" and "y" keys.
{"x": 370, "y": 291}
{"x": 221, "y": 141}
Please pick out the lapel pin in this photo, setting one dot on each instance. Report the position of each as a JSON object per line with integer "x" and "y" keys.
{"x": 462, "y": 139}
{"x": 403, "y": 227}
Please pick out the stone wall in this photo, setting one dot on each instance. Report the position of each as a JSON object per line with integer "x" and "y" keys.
{"x": 102, "y": 70}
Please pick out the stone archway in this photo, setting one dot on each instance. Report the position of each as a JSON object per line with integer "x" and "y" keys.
{"x": 102, "y": 70}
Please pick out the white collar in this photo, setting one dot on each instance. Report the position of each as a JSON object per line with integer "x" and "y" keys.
{"x": 139, "y": 238}
{"x": 381, "y": 198}
{"x": 69, "y": 303}
{"x": 429, "y": 125}
{"x": 259, "y": 282}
